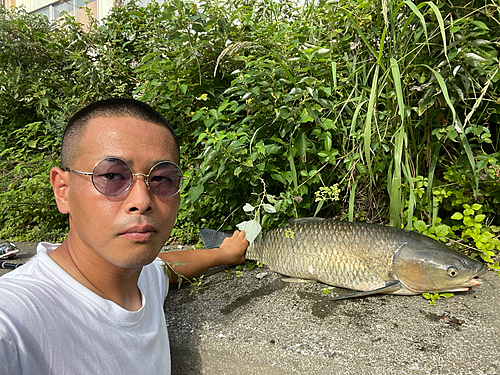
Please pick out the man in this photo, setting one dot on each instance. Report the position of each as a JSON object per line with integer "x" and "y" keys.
{"x": 94, "y": 304}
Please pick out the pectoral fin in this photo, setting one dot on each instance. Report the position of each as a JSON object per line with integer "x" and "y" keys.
{"x": 389, "y": 288}
{"x": 296, "y": 280}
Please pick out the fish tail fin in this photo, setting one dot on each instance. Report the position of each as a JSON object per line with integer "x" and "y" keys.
{"x": 212, "y": 238}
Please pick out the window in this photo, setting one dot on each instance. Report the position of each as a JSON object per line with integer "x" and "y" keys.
{"x": 55, "y": 10}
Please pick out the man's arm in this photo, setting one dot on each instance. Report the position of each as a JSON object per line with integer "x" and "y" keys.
{"x": 230, "y": 252}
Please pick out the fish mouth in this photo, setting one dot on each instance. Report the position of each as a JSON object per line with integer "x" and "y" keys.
{"x": 474, "y": 280}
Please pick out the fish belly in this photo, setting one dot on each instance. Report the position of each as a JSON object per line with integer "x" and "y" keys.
{"x": 349, "y": 255}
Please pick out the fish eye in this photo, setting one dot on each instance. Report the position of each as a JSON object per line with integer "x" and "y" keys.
{"x": 452, "y": 271}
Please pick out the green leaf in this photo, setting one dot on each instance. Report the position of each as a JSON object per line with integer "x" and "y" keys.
{"x": 252, "y": 229}
{"x": 248, "y": 162}
{"x": 301, "y": 144}
{"x": 195, "y": 192}
{"x": 457, "y": 216}
{"x": 322, "y": 53}
{"x": 248, "y": 207}
{"x": 269, "y": 208}
{"x": 479, "y": 218}
{"x": 284, "y": 112}
{"x": 442, "y": 230}
{"x": 196, "y": 116}
{"x": 328, "y": 124}
{"x": 480, "y": 24}
{"x": 308, "y": 80}
{"x": 420, "y": 226}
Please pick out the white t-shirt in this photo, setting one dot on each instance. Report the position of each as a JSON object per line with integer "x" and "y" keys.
{"x": 52, "y": 324}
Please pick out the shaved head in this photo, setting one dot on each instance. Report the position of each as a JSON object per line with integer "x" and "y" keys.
{"x": 117, "y": 107}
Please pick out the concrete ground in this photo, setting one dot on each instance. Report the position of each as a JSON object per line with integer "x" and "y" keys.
{"x": 257, "y": 324}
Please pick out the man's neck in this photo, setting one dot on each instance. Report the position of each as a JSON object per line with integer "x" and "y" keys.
{"x": 107, "y": 281}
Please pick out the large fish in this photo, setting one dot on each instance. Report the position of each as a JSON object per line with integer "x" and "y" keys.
{"x": 369, "y": 258}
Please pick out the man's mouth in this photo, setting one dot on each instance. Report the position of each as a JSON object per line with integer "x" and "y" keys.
{"x": 139, "y": 233}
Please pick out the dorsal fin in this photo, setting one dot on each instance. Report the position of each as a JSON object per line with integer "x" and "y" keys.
{"x": 304, "y": 220}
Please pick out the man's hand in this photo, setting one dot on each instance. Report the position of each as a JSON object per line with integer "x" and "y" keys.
{"x": 232, "y": 249}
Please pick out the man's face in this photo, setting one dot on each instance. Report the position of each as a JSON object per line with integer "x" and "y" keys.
{"x": 127, "y": 230}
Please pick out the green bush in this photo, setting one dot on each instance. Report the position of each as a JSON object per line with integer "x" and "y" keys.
{"x": 395, "y": 109}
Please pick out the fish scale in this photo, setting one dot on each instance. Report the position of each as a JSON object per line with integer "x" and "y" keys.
{"x": 333, "y": 252}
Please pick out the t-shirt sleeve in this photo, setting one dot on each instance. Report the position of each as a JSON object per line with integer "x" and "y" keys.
{"x": 163, "y": 276}
{"x": 9, "y": 363}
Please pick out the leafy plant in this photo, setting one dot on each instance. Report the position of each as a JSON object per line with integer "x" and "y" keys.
{"x": 433, "y": 297}
{"x": 395, "y": 109}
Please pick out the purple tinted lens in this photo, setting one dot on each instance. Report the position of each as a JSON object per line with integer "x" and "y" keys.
{"x": 165, "y": 179}
{"x": 112, "y": 176}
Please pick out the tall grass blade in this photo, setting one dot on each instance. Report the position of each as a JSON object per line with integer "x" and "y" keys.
{"x": 394, "y": 185}
{"x": 441, "y": 26}
{"x": 352, "y": 197}
{"x": 368, "y": 121}
{"x": 362, "y": 36}
{"x": 420, "y": 16}
{"x": 411, "y": 199}
{"x": 396, "y": 76}
{"x": 291, "y": 162}
{"x": 382, "y": 42}
{"x": 340, "y": 113}
{"x": 318, "y": 208}
{"x": 458, "y": 127}
{"x": 430, "y": 182}
{"x": 356, "y": 114}
{"x": 287, "y": 72}
{"x": 334, "y": 75}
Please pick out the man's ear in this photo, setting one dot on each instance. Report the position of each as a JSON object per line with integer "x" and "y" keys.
{"x": 59, "y": 180}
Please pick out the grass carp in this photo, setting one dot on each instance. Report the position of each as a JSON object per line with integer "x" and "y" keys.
{"x": 369, "y": 258}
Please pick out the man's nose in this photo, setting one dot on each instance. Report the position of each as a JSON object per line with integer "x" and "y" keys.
{"x": 139, "y": 197}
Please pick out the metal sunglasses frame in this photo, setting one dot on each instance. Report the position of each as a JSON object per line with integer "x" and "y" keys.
{"x": 146, "y": 177}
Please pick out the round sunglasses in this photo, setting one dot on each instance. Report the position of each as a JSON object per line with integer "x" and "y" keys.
{"x": 113, "y": 176}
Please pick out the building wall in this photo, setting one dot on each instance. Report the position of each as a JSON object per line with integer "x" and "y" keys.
{"x": 8, "y": 3}
{"x": 53, "y": 9}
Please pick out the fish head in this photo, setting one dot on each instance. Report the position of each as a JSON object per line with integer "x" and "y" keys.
{"x": 424, "y": 265}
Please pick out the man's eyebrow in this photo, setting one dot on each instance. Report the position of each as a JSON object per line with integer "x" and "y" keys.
{"x": 130, "y": 161}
